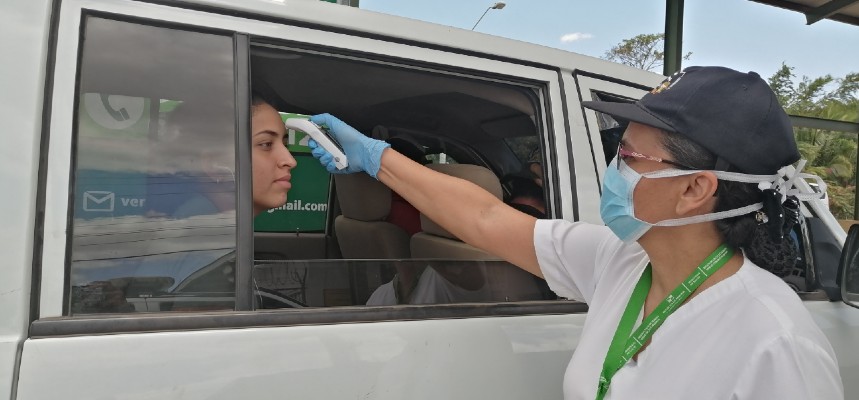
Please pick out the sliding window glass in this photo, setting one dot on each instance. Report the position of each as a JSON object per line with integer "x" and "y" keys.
{"x": 154, "y": 208}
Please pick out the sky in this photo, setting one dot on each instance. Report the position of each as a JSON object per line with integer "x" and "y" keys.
{"x": 740, "y": 34}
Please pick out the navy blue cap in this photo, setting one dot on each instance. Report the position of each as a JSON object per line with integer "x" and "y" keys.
{"x": 734, "y": 115}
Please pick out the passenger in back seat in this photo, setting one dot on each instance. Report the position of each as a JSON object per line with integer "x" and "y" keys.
{"x": 401, "y": 288}
{"x": 403, "y": 214}
{"x": 526, "y": 195}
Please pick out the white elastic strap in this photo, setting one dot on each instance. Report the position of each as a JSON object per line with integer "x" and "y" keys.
{"x": 745, "y": 178}
{"x": 821, "y": 185}
{"x": 783, "y": 181}
{"x": 783, "y": 187}
{"x": 787, "y": 187}
{"x": 728, "y": 176}
{"x": 711, "y": 217}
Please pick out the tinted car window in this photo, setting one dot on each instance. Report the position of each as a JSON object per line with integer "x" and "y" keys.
{"x": 154, "y": 184}
{"x": 377, "y": 249}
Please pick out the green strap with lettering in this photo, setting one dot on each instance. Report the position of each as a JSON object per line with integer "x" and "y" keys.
{"x": 623, "y": 345}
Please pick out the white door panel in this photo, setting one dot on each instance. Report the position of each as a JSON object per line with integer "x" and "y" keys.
{"x": 497, "y": 358}
{"x": 587, "y": 146}
{"x": 840, "y": 323}
{"x": 500, "y": 357}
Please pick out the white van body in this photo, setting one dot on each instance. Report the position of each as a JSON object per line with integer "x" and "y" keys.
{"x": 495, "y": 350}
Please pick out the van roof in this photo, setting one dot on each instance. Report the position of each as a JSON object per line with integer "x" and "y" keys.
{"x": 360, "y": 22}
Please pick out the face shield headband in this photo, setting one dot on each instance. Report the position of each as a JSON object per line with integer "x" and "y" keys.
{"x": 617, "y": 205}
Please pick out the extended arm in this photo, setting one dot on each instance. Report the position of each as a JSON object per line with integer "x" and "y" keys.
{"x": 463, "y": 208}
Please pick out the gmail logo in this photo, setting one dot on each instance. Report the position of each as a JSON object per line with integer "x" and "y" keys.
{"x": 99, "y": 201}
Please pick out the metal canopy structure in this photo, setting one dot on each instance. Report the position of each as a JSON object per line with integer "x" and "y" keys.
{"x": 846, "y": 11}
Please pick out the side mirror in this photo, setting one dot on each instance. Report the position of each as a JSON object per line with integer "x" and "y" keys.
{"x": 848, "y": 268}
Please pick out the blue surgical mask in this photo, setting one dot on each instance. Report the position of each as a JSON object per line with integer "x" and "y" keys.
{"x": 617, "y": 207}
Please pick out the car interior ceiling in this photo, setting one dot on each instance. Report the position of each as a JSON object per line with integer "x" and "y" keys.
{"x": 466, "y": 118}
{"x": 373, "y": 94}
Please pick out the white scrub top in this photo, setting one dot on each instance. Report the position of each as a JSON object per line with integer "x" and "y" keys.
{"x": 746, "y": 337}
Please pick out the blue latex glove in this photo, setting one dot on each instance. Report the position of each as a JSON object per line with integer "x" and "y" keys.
{"x": 363, "y": 153}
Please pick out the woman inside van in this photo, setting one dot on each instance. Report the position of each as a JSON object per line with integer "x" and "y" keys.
{"x": 680, "y": 304}
{"x": 210, "y": 188}
{"x": 272, "y": 161}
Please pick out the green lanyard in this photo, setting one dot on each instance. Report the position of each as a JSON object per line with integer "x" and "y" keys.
{"x": 623, "y": 345}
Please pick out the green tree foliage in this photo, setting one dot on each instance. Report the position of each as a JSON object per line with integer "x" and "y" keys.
{"x": 642, "y": 51}
{"x": 822, "y": 97}
{"x": 831, "y": 155}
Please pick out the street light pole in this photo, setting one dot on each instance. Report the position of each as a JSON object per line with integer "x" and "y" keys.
{"x": 497, "y": 6}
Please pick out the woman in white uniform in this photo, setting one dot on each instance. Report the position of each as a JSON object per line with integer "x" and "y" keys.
{"x": 680, "y": 305}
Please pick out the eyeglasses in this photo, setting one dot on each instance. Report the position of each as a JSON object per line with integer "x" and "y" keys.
{"x": 624, "y": 154}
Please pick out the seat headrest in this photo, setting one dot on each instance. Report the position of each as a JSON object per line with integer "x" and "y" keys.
{"x": 380, "y": 132}
{"x": 362, "y": 198}
{"x": 408, "y": 146}
{"x": 480, "y": 176}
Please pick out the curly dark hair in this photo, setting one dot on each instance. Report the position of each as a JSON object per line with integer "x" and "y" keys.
{"x": 744, "y": 231}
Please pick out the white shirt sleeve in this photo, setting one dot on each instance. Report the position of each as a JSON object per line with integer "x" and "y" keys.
{"x": 569, "y": 254}
{"x": 790, "y": 367}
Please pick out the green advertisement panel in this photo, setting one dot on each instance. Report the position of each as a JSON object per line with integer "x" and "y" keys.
{"x": 306, "y": 207}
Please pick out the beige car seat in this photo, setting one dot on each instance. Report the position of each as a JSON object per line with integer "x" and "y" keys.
{"x": 361, "y": 229}
{"x": 505, "y": 282}
{"x": 435, "y": 241}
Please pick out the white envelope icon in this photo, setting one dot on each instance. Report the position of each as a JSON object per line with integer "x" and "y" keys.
{"x": 97, "y": 200}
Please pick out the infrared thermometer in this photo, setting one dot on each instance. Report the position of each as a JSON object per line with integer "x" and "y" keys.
{"x": 321, "y": 136}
